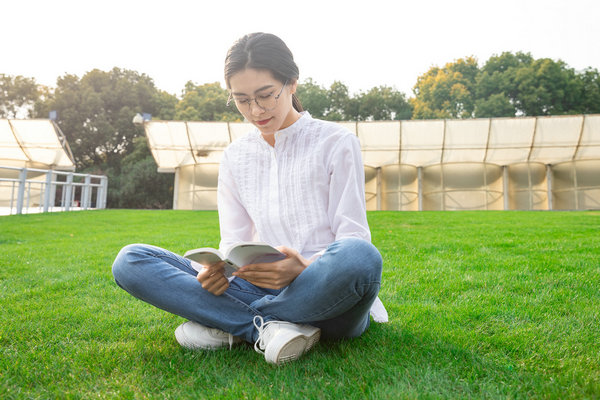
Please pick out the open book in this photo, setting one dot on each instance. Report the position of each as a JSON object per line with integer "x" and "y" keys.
{"x": 239, "y": 255}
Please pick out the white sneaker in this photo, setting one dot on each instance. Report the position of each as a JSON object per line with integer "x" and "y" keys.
{"x": 282, "y": 342}
{"x": 193, "y": 336}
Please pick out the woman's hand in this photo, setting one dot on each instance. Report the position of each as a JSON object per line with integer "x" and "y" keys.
{"x": 275, "y": 275}
{"x": 213, "y": 278}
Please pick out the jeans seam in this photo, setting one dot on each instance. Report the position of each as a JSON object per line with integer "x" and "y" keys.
{"x": 235, "y": 300}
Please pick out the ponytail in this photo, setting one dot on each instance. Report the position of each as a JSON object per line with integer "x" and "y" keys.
{"x": 296, "y": 103}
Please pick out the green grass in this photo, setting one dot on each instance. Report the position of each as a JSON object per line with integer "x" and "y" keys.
{"x": 482, "y": 305}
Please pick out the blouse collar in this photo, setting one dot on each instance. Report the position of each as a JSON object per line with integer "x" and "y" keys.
{"x": 291, "y": 130}
{"x": 295, "y": 127}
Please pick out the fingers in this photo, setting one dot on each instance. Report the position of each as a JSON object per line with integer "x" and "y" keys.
{"x": 212, "y": 278}
{"x": 271, "y": 276}
{"x": 256, "y": 271}
{"x": 215, "y": 283}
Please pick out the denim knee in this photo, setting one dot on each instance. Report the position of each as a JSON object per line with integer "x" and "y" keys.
{"x": 360, "y": 255}
{"x": 122, "y": 266}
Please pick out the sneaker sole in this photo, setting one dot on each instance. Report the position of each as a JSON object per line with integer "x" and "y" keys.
{"x": 291, "y": 349}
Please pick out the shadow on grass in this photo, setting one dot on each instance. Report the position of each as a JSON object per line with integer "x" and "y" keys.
{"x": 386, "y": 362}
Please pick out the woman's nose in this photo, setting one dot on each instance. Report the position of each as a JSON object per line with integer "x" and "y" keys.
{"x": 255, "y": 109}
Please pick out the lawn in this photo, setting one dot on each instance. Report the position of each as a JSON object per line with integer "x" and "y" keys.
{"x": 482, "y": 305}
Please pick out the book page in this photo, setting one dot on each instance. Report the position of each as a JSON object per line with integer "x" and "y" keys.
{"x": 253, "y": 253}
{"x": 208, "y": 256}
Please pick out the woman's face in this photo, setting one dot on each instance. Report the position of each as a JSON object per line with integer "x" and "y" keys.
{"x": 259, "y": 84}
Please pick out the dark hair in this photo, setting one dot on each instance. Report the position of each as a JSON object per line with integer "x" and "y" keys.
{"x": 263, "y": 51}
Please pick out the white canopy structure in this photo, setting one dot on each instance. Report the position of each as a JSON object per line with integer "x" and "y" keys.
{"x": 36, "y": 167}
{"x": 533, "y": 163}
{"x": 34, "y": 143}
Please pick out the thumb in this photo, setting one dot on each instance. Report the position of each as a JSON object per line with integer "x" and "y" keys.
{"x": 287, "y": 250}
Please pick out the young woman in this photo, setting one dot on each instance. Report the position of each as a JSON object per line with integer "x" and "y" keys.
{"x": 293, "y": 182}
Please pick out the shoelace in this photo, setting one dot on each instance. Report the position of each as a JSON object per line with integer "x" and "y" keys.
{"x": 260, "y": 342}
{"x": 262, "y": 336}
{"x": 230, "y": 338}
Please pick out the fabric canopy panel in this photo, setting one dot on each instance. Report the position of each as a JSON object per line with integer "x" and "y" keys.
{"x": 33, "y": 143}
{"x": 500, "y": 141}
{"x": 176, "y": 144}
{"x": 490, "y": 163}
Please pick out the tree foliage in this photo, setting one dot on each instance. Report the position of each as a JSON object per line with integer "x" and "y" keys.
{"x": 446, "y": 92}
{"x": 507, "y": 85}
{"x": 341, "y": 106}
{"x": 206, "y": 102}
{"x": 590, "y": 92}
{"x": 139, "y": 185}
{"x": 382, "y": 103}
{"x": 336, "y": 104}
{"x": 17, "y": 96}
{"x": 95, "y": 112}
{"x": 526, "y": 86}
{"x": 314, "y": 98}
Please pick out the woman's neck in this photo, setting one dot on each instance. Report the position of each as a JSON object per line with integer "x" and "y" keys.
{"x": 290, "y": 120}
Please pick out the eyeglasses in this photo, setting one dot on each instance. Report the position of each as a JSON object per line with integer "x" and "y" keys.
{"x": 266, "y": 102}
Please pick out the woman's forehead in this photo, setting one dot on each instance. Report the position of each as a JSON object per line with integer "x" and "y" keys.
{"x": 250, "y": 80}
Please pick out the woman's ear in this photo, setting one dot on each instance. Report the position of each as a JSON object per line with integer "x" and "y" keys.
{"x": 293, "y": 86}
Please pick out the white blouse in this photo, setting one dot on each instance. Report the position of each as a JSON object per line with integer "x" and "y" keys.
{"x": 305, "y": 192}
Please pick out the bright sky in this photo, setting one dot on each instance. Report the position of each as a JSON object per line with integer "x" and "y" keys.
{"x": 361, "y": 43}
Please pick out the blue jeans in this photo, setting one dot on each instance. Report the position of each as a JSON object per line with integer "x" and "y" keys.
{"x": 334, "y": 293}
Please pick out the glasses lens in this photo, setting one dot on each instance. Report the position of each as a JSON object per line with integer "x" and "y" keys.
{"x": 267, "y": 103}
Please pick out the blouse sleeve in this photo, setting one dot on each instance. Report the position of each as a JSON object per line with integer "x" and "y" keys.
{"x": 234, "y": 222}
{"x": 347, "y": 207}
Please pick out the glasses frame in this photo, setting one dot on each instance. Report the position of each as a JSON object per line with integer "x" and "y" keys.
{"x": 249, "y": 101}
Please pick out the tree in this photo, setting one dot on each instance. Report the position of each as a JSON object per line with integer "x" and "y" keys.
{"x": 95, "y": 113}
{"x": 497, "y": 85}
{"x": 446, "y": 92}
{"x": 517, "y": 84}
{"x": 206, "y": 102}
{"x": 17, "y": 96}
{"x": 314, "y": 98}
{"x": 335, "y": 104}
{"x": 340, "y": 105}
{"x": 590, "y": 93}
{"x": 139, "y": 185}
{"x": 548, "y": 87}
{"x": 383, "y": 103}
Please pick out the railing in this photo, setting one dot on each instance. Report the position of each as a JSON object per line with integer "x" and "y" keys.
{"x": 29, "y": 190}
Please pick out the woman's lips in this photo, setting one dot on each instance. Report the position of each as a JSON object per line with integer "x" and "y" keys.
{"x": 264, "y": 121}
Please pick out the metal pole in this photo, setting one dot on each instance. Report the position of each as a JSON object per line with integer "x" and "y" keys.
{"x": 12, "y": 196}
{"x": 85, "y": 195}
{"x": 69, "y": 191}
{"x": 420, "y": 187}
{"x": 52, "y": 192}
{"x": 378, "y": 190}
{"x": 21, "y": 191}
{"x": 104, "y": 191}
{"x": 99, "y": 195}
{"x": 549, "y": 182}
{"x": 47, "y": 190}
{"x": 529, "y": 186}
{"x": 28, "y": 196}
{"x": 575, "y": 185}
{"x": 176, "y": 189}
{"x": 505, "y": 186}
